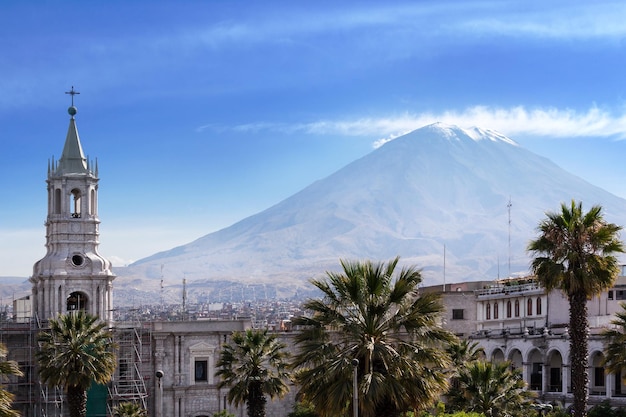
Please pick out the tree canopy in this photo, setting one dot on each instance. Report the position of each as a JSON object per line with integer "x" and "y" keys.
{"x": 374, "y": 313}
{"x": 75, "y": 351}
{"x": 252, "y": 365}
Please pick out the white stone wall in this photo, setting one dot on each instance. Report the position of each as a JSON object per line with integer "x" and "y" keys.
{"x": 176, "y": 346}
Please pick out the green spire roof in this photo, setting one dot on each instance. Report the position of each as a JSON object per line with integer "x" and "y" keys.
{"x": 72, "y": 160}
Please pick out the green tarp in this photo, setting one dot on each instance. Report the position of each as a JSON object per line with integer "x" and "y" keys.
{"x": 97, "y": 401}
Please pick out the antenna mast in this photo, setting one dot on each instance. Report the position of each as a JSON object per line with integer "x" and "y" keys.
{"x": 184, "y": 296}
{"x": 509, "y": 209}
{"x": 444, "y": 268}
{"x": 161, "y": 285}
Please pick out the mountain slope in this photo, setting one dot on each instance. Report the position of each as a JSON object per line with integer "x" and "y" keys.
{"x": 437, "y": 186}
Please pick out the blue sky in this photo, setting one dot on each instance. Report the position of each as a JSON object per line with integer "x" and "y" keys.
{"x": 203, "y": 113}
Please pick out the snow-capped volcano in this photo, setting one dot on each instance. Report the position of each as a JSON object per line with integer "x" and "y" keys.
{"x": 470, "y": 196}
{"x": 452, "y": 132}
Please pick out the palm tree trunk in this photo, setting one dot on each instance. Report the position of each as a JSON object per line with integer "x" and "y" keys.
{"x": 387, "y": 409}
{"x": 256, "y": 400}
{"x": 578, "y": 326}
{"x": 77, "y": 401}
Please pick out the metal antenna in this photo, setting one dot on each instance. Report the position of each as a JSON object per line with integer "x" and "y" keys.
{"x": 184, "y": 296}
{"x": 444, "y": 268}
{"x": 509, "y": 205}
{"x": 161, "y": 285}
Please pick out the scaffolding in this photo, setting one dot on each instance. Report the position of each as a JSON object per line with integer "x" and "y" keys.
{"x": 19, "y": 341}
{"x": 33, "y": 398}
{"x": 133, "y": 359}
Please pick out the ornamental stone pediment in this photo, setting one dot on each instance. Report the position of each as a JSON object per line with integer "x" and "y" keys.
{"x": 201, "y": 348}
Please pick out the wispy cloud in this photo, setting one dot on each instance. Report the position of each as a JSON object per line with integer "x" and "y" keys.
{"x": 545, "y": 122}
{"x": 449, "y": 18}
{"x": 558, "y": 20}
{"x": 405, "y": 23}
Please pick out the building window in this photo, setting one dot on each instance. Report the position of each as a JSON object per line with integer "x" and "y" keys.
{"x": 516, "y": 308}
{"x": 529, "y": 307}
{"x": 610, "y": 295}
{"x": 201, "y": 370}
{"x": 57, "y": 201}
{"x": 538, "y": 306}
{"x": 488, "y": 312}
{"x": 457, "y": 314}
{"x": 508, "y": 309}
{"x": 619, "y": 295}
{"x": 598, "y": 377}
{"x": 92, "y": 202}
{"x": 536, "y": 376}
{"x": 201, "y": 363}
{"x": 495, "y": 310}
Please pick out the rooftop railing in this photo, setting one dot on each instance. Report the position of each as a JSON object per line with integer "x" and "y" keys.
{"x": 507, "y": 289}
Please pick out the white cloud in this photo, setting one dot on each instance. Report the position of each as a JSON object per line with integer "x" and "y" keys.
{"x": 545, "y": 122}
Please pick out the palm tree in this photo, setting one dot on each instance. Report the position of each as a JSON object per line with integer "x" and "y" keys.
{"x": 7, "y": 369}
{"x": 575, "y": 253}
{"x": 129, "y": 409}
{"x": 493, "y": 389}
{"x": 464, "y": 352}
{"x": 370, "y": 313}
{"x": 253, "y": 365}
{"x": 76, "y": 351}
{"x": 615, "y": 349}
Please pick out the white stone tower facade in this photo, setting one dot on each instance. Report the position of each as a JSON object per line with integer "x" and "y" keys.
{"x": 72, "y": 275}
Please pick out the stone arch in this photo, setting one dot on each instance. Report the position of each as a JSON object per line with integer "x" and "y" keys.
{"x": 98, "y": 312}
{"x": 516, "y": 359}
{"x": 75, "y": 203}
{"x": 92, "y": 202}
{"x": 535, "y": 362}
{"x": 77, "y": 301}
{"x": 57, "y": 201}
{"x": 497, "y": 355}
{"x": 597, "y": 374}
{"x": 555, "y": 371}
{"x": 60, "y": 299}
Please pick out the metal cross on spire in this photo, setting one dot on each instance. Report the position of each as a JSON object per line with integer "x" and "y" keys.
{"x": 72, "y": 93}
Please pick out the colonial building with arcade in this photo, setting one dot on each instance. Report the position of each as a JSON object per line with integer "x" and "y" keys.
{"x": 518, "y": 321}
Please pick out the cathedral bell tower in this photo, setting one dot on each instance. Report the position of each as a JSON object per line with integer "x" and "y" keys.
{"x": 72, "y": 275}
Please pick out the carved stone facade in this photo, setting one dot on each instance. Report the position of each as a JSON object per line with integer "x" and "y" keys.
{"x": 185, "y": 354}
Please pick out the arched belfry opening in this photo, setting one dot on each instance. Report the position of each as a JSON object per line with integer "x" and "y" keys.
{"x": 76, "y": 203}
{"x": 77, "y": 301}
